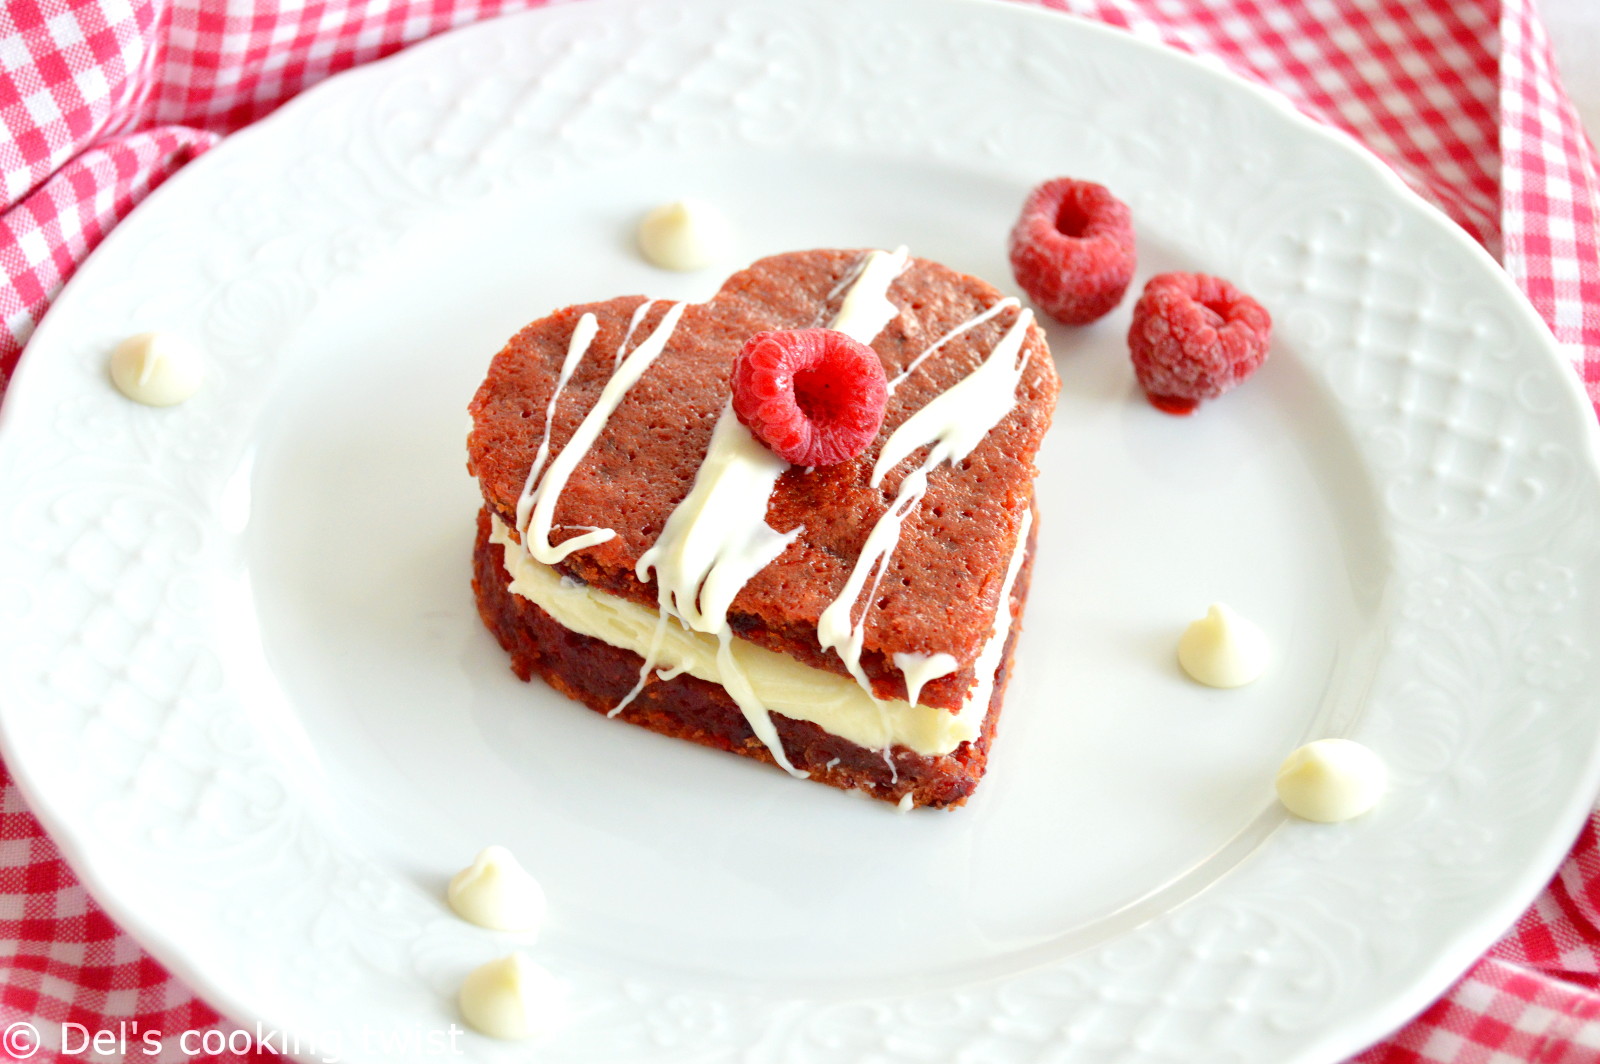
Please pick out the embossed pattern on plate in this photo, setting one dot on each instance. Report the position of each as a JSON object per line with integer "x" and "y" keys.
{"x": 166, "y": 737}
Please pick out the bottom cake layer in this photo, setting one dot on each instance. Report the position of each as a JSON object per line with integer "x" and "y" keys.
{"x": 600, "y": 675}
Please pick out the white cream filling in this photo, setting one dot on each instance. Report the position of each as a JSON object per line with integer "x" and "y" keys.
{"x": 834, "y": 703}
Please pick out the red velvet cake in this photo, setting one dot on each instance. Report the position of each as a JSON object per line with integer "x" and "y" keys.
{"x": 645, "y": 554}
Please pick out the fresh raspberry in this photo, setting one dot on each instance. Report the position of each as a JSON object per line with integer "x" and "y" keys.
{"x": 1194, "y": 337}
{"x": 1072, "y": 249}
{"x": 814, "y": 396}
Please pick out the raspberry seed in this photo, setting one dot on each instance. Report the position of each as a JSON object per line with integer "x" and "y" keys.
{"x": 815, "y": 397}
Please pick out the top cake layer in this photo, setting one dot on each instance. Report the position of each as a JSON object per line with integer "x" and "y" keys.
{"x": 939, "y": 592}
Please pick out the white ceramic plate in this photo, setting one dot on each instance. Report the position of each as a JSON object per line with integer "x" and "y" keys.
{"x": 246, "y": 689}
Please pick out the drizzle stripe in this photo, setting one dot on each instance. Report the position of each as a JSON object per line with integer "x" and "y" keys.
{"x": 536, "y": 534}
{"x": 866, "y": 308}
{"x": 970, "y": 323}
{"x": 989, "y": 660}
{"x": 918, "y": 669}
{"x": 950, "y": 425}
{"x": 582, "y": 336}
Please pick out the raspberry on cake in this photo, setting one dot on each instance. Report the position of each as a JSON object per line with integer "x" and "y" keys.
{"x": 814, "y": 396}
{"x": 647, "y": 555}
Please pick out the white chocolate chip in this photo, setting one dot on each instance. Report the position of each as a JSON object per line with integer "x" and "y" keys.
{"x": 687, "y": 234}
{"x": 1331, "y": 780}
{"x": 496, "y": 892}
{"x": 157, "y": 369}
{"x": 1222, "y": 649}
{"x": 513, "y": 998}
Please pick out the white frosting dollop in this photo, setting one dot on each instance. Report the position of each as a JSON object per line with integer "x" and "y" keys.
{"x": 157, "y": 369}
{"x": 686, "y": 234}
{"x": 1223, "y": 649}
{"x": 496, "y": 892}
{"x": 1331, "y": 780}
{"x": 513, "y": 998}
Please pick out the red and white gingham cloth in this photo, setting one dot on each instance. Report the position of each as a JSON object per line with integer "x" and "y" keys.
{"x": 101, "y": 100}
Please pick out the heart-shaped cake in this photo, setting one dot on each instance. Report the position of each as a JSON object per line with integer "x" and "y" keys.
{"x": 647, "y": 555}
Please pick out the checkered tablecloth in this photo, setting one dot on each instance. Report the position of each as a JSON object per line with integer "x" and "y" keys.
{"x": 102, "y": 100}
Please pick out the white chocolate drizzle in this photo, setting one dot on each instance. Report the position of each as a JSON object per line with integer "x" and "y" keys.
{"x": 994, "y": 649}
{"x": 971, "y": 323}
{"x": 950, "y": 425}
{"x": 582, "y": 336}
{"x": 535, "y": 527}
{"x": 918, "y": 669}
{"x": 633, "y": 324}
{"x": 714, "y": 541}
{"x": 862, "y": 314}
{"x": 866, "y": 308}
{"x": 717, "y": 538}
